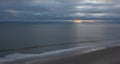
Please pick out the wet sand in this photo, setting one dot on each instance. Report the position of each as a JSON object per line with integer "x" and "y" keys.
{"x": 106, "y": 56}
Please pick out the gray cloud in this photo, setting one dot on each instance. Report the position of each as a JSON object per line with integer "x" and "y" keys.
{"x": 101, "y": 9}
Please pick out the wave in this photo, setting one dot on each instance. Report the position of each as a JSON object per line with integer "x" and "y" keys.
{"x": 19, "y": 58}
{"x": 47, "y": 45}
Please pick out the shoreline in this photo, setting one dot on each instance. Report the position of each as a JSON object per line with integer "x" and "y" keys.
{"x": 55, "y": 57}
{"x": 104, "y": 56}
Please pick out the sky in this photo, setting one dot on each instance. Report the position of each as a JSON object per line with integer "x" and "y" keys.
{"x": 59, "y": 9}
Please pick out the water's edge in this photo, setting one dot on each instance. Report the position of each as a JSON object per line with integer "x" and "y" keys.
{"x": 20, "y": 58}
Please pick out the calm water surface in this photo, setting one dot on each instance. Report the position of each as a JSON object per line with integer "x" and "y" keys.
{"x": 38, "y": 38}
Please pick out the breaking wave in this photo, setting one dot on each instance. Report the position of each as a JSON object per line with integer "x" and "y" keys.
{"x": 19, "y": 58}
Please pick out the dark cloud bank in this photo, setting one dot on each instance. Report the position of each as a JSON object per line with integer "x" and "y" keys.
{"x": 59, "y": 9}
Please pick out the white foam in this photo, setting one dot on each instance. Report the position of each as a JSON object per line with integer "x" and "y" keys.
{"x": 80, "y": 49}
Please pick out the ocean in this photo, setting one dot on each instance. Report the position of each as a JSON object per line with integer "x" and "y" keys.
{"x": 40, "y": 38}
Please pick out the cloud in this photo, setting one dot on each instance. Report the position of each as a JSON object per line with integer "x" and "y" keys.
{"x": 101, "y": 9}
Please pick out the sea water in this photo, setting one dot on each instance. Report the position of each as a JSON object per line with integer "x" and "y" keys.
{"x": 30, "y": 40}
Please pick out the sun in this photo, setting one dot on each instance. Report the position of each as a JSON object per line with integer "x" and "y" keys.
{"x": 77, "y": 21}
{"x": 83, "y": 21}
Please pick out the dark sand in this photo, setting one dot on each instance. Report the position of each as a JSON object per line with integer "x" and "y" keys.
{"x": 106, "y": 56}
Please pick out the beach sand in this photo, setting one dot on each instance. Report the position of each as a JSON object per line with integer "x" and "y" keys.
{"x": 106, "y": 56}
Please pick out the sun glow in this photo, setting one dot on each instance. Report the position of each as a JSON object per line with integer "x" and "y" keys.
{"x": 77, "y": 21}
{"x": 83, "y": 21}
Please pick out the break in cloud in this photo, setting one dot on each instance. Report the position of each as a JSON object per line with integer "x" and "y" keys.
{"x": 60, "y": 9}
